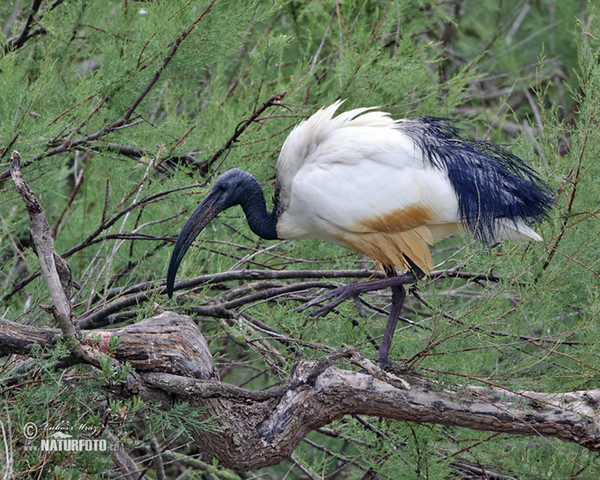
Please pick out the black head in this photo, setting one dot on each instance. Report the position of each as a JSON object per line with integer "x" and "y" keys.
{"x": 227, "y": 192}
{"x": 230, "y": 189}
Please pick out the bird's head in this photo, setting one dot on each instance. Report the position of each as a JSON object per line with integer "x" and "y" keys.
{"x": 230, "y": 189}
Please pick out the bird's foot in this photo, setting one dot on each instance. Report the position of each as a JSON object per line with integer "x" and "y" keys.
{"x": 353, "y": 290}
{"x": 337, "y": 294}
{"x": 383, "y": 362}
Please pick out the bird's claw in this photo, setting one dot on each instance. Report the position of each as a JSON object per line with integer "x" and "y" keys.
{"x": 338, "y": 295}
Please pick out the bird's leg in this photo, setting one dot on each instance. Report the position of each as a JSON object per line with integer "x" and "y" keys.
{"x": 398, "y": 296}
{"x": 353, "y": 290}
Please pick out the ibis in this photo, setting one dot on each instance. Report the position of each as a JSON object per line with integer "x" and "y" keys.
{"x": 386, "y": 188}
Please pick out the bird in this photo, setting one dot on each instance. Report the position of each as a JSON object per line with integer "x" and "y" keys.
{"x": 386, "y": 188}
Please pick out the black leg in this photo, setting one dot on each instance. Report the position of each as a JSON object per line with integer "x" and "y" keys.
{"x": 396, "y": 283}
{"x": 398, "y": 296}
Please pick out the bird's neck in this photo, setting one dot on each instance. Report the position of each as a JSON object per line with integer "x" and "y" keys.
{"x": 261, "y": 222}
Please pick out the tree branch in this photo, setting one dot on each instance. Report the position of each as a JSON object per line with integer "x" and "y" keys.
{"x": 257, "y": 429}
{"x": 166, "y": 342}
{"x": 274, "y": 100}
{"x": 41, "y": 233}
{"x": 255, "y": 433}
{"x": 137, "y": 294}
{"x": 254, "y": 429}
{"x": 19, "y": 40}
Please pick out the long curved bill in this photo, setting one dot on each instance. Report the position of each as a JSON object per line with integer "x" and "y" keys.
{"x": 206, "y": 211}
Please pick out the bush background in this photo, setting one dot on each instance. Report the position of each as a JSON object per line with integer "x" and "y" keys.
{"x": 523, "y": 73}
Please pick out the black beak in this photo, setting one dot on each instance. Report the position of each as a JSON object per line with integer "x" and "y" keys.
{"x": 206, "y": 211}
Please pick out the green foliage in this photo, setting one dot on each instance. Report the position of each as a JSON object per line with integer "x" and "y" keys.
{"x": 112, "y": 371}
{"x": 109, "y": 178}
{"x": 181, "y": 419}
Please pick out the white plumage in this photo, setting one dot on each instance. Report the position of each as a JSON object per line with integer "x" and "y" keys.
{"x": 358, "y": 180}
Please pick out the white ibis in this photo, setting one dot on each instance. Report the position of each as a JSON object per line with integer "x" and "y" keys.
{"x": 386, "y": 188}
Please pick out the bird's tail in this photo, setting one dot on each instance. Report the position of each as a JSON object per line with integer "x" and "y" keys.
{"x": 497, "y": 193}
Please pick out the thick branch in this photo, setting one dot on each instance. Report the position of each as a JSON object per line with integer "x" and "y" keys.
{"x": 254, "y": 429}
{"x": 165, "y": 343}
{"x": 254, "y": 433}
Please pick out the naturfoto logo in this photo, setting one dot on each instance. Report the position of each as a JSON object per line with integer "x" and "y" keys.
{"x": 56, "y": 439}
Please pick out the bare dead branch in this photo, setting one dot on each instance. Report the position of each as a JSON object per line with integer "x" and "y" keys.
{"x": 41, "y": 234}
{"x": 164, "y": 343}
{"x": 271, "y": 428}
{"x": 19, "y": 339}
{"x": 260, "y": 428}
